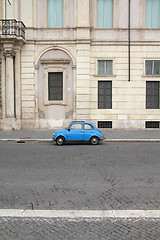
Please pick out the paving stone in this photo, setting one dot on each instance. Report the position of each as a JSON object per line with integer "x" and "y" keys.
{"x": 88, "y": 229}
{"x": 44, "y": 197}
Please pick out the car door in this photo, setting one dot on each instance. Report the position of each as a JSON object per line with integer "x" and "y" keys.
{"x": 88, "y": 131}
{"x": 75, "y": 132}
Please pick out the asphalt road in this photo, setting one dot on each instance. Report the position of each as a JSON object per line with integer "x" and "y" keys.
{"x": 103, "y": 177}
{"x": 79, "y": 177}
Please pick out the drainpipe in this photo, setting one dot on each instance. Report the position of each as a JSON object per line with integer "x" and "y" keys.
{"x": 5, "y": 10}
{"x": 129, "y": 40}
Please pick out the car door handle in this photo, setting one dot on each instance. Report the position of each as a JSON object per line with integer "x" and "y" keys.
{"x": 82, "y": 131}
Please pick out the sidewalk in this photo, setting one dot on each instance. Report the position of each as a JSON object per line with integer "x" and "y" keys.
{"x": 110, "y": 135}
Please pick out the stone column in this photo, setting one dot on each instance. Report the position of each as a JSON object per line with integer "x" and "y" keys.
{"x": 11, "y": 83}
{"x": 8, "y": 101}
{"x": 9, "y": 72}
{"x": 18, "y": 82}
{"x": 3, "y": 86}
{"x": 37, "y": 121}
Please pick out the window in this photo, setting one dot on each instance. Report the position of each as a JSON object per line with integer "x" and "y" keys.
{"x": 76, "y": 126}
{"x": 152, "y": 124}
{"x": 152, "y": 14}
{"x": 88, "y": 127}
{"x": 104, "y": 94}
{"x": 55, "y": 86}
{"x": 105, "y": 12}
{"x": 104, "y": 124}
{"x": 152, "y": 94}
{"x": 152, "y": 67}
{"x": 55, "y": 81}
{"x": 105, "y": 67}
{"x": 55, "y": 13}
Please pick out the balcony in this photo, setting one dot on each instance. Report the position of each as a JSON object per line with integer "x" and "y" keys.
{"x": 12, "y": 27}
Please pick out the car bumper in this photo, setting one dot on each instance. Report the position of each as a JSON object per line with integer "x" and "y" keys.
{"x": 102, "y": 138}
{"x": 54, "y": 137}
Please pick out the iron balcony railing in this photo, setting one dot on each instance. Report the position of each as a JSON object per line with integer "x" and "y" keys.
{"x": 12, "y": 27}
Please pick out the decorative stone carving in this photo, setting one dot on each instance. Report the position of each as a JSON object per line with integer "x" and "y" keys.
{"x": 8, "y": 53}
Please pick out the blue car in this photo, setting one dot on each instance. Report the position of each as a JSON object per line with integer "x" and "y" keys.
{"x": 78, "y": 131}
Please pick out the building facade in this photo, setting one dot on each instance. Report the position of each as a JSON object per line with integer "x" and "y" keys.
{"x": 63, "y": 60}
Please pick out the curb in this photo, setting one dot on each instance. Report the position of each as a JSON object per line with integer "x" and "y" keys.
{"x": 132, "y": 140}
{"x": 77, "y": 214}
{"x": 23, "y": 140}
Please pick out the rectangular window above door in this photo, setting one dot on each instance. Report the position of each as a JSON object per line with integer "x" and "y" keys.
{"x": 105, "y": 67}
{"x": 152, "y": 67}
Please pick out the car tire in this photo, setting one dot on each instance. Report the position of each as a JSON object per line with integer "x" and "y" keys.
{"x": 94, "y": 140}
{"x": 60, "y": 141}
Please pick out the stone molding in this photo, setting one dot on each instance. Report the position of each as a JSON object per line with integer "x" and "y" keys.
{"x": 55, "y": 61}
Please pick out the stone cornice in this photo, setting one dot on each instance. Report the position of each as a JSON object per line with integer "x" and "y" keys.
{"x": 14, "y": 39}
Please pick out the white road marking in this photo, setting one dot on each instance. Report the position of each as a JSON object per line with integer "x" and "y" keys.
{"x": 75, "y": 214}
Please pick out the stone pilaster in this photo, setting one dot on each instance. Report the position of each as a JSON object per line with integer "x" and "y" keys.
{"x": 9, "y": 80}
{"x": 83, "y": 61}
{"x": 8, "y": 89}
{"x": 18, "y": 104}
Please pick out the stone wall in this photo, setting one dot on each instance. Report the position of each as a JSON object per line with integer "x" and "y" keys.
{"x": 83, "y": 44}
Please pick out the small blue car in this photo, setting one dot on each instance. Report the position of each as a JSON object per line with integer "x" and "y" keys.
{"x": 78, "y": 131}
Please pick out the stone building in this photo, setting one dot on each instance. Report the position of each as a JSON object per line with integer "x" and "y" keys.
{"x": 63, "y": 60}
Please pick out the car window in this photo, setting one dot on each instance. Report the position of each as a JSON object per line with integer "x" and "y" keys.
{"x": 76, "y": 126}
{"x": 88, "y": 127}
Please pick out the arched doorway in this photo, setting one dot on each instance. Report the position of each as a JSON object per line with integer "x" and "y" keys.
{"x": 55, "y": 89}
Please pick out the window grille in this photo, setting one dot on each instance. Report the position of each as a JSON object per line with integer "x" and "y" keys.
{"x": 152, "y": 67}
{"x": 105, "y": 67}
{"x": 55, "y": 13}
{"x": 152, "y": 94}
{"x": 104, "y": 94}
{"x": 105, "y": 13}
{"x": 152, "y": 13}
{"x": 104, "y": 124}
{"x": 55, "y": 86}
{"x": 152, "y": 124}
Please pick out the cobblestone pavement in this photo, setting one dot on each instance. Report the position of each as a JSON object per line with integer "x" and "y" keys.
{"x": 55, "y": 197}
{"x": 112, "y": 176}
{"x": 81, "y": 229}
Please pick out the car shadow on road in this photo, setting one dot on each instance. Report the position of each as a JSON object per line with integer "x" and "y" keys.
{"x": 77, "y": 143}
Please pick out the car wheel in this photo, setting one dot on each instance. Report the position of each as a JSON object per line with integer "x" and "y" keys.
{"x": 94, "y": 140}
{"x": 60, "y": 141}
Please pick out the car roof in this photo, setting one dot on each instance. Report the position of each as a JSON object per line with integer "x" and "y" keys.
{"x": 77, "y": 121}
{"x": 82, "y": 122}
